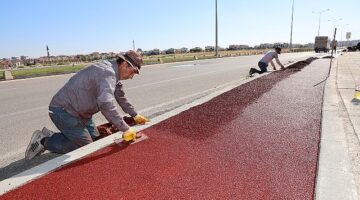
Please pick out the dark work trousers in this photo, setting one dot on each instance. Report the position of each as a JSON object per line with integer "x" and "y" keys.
{"x": 263, "y": 68}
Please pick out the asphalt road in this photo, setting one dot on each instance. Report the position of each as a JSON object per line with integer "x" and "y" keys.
{"x": 159, "y": 88}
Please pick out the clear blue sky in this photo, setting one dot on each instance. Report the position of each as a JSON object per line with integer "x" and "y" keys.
{"x": 85, "y": 26}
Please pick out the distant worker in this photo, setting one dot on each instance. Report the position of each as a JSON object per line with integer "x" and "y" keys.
{"x": 264, "y": 62}
{"x": 334, "y": 45}
{"x": 92, "y": 89}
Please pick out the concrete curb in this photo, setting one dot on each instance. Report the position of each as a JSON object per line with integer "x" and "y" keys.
{"x": 334, "y": 177}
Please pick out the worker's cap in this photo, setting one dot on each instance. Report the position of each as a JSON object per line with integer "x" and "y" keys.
{"x": 278, "y": 50}
{"x": 133, "y": 58}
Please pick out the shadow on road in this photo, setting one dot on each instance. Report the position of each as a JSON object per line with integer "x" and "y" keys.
{"x": 23, "y": 165}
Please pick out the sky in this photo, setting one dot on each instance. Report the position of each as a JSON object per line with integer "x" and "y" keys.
{"x": 71, "y": 27}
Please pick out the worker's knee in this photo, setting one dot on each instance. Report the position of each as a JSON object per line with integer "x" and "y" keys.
{"x": 79, "y": 142}
{"x": 263, "y": 67}
{"x": 60, "y": 143}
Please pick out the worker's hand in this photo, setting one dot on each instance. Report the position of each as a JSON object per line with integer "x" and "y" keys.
{"x": 107, "y": 129}
{"x": 129, "y": 120}
{"x": 129, "y": 135}
{"x": 113, "y": 128}
{"x": 139, "y": 119}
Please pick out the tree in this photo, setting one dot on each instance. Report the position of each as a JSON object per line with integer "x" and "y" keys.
{"x": 196, "y": 49}
{"x": 209, "y": 48}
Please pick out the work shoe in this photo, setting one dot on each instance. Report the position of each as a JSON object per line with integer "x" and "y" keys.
{"x": 251, "y": 72}
{"x": 47, "y": 132}
{"x": 35, "y": 147}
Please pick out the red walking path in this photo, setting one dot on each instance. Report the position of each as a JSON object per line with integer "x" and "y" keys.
{"x": 257, "y": 141}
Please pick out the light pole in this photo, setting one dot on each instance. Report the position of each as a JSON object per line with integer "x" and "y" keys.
{"x": 292, "y": 20}
{"x": 334, "y": 21}
{"x": 216, "y": 30}
{"x": 334, "y": 43}
{"x": 320, "y": 12}
{"x": 341, "y": 38}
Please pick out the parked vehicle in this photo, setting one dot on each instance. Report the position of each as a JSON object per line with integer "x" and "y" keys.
{"x": 322, "y": 44}
{"x": 354, "y": 48}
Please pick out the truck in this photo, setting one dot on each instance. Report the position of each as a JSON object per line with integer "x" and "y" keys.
{"x": 322, "y": 44}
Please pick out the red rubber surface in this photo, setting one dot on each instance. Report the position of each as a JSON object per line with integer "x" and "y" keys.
{"x": 257, "y": 141}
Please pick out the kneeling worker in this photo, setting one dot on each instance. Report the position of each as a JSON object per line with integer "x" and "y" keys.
{"x": 94, "y": 88}
{"x": 264, "y": 62}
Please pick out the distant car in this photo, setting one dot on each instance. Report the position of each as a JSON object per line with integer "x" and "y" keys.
{"x": 353, "y": 48}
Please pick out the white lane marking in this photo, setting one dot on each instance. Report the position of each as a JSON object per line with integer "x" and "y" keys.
{"x": 169, "y": 80}
{"x": 188, "y": 65}
{"x": 130, "y": 88}
{"x": 155, "y": 83}
{"x": 39, "y": 77}
{"x": 7, "y": 89}
{"x": 191, "y": 95}
{"x": 22, "y": 112}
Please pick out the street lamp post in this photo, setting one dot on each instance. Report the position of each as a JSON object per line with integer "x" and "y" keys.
{"x": 341, "y": 38}
{"x": 320, "y": 12}
{"x": 335, "y": 28}
{"x": 216, "y": 30}
{"x": 334, "y": 21}
{"x": 292, "y": 20}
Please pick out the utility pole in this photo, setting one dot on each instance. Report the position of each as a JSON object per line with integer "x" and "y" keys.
{"x": 133, "y": 45}
{"x": 292, "y": 20}
{"x": 47, "y": 50}
{"x": 48, "y": 53}
{"x": 216, "y": 29}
